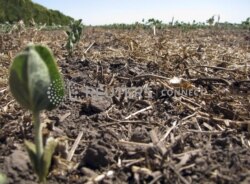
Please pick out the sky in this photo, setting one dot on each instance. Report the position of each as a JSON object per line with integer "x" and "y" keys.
{"x": 100, "y": 12}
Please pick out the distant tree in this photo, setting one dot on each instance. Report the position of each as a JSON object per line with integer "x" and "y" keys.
{"x": 16, "y": 10}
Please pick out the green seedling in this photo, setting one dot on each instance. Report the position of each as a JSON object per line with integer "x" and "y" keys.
{"x": 154, "y": 23}
{"x": 2, "y": 179}
{"x": 246, "y": 23}
{"x": 74, "y": 35}
{"x": 36, "y": 84}
{"x": 210, "y": 21}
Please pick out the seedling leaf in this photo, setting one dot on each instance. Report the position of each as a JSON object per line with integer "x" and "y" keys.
{"x": 31, "y": 149}
{"x": 2, "y": 179}
{"x": 35, "y": 81}
{"x": 47, "y": 155}
{"x": 29, "y": 80}
{"x": 56, "y": 87}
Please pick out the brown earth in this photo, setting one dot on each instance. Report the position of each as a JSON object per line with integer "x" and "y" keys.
{"x": 145, "y": 137}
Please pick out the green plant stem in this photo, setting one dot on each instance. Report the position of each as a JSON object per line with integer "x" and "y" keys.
{"x": 38, "y": 136}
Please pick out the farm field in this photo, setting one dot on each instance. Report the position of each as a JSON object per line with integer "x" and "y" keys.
{"x": 122, "y": 120}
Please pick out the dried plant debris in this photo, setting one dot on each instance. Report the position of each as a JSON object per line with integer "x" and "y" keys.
{"x": 169, "y": 108}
